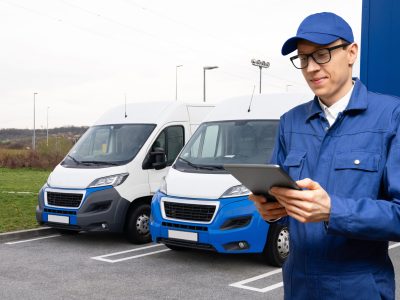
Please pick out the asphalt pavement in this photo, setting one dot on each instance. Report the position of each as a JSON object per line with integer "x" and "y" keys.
{"x": 106, "y": 266}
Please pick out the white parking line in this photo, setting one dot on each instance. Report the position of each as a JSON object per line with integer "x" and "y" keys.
{"x": 241, "y": 284}
{"x": 12, "y": 192}
{"x": 30, "y": 240}
{"x": 102, "y": 257}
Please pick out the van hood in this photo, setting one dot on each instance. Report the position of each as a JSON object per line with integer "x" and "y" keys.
{"x": 198, "y": 185}
{"x": 76, "y": 178}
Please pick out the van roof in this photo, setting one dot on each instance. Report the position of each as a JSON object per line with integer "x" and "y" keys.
{"x": 148, "y": 113}
{"x": 265, "y": 106}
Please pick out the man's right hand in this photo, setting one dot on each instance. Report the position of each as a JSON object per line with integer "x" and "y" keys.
{"x": 270, "y": 211}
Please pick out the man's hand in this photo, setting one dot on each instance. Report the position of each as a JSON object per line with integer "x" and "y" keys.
{"x": 269, "y": 211}
{"x": 310, "y": 205}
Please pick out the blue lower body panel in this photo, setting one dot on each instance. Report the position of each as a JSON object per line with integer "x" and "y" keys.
{"x": 100, "y": 209}
{"x": 236, "y": 226}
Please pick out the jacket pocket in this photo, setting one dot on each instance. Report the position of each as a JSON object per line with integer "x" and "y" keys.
{"x": 363, "y": 161}
{"x": 294, "y": 163}
{"x": 357, "y": 173}
{"x": 349, "y": 287}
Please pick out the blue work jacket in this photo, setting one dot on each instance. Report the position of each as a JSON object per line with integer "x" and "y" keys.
{"x": 357, "y": 161}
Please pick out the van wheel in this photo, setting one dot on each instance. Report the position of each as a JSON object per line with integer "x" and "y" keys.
{"x": 137, "y": 228}
{"x": 276, "y": 249}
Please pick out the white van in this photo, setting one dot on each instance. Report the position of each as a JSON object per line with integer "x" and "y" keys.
{"x": 108, "y": 178}
{"x": 200, "y": 205}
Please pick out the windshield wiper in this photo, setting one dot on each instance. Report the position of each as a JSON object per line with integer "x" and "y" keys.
{"x": 97, "y": 162}
{"x": 74, "y": 159}
{"x": 198, "y": 166}
{"x": 216, "y": 167}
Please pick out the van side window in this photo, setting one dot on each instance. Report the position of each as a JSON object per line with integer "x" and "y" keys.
{"x": 171, "y": 139}
{"x": 175, "y": 142}
{"x": 101, "y": 138}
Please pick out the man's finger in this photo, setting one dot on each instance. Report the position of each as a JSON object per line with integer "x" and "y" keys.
{"x": 309, "y": 184}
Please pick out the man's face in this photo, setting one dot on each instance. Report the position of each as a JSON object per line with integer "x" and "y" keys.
{"x": 332, "y": 80}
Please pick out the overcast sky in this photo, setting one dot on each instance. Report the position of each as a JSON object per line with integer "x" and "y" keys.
{"x": 83, "y": 56}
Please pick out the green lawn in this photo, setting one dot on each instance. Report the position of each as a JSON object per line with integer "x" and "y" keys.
{"x": 17, "y": 210}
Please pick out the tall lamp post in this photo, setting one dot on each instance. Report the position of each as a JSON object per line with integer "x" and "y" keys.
{"x": 204, "y": 79}
{"x": 176, "y": 82}
{"x": 47, "y": 126}
{"x": 34, "y": 122}
{"x": 261, "y": 64}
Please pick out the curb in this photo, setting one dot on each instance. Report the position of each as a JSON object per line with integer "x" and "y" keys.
{"x": 26, "y": 234}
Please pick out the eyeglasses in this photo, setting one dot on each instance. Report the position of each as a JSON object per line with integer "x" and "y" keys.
{"x": 320, "y": 56}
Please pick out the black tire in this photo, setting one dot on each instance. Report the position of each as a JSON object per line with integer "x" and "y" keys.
{"x": 137, "y": 229}
{"x": 276, "y": 249}
{"x": 67, "y": 231}
{"x": 176, "y": 248}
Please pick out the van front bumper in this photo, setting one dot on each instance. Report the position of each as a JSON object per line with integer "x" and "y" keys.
{"x": 237, "y": 227}
{"x": 100, "y": 209}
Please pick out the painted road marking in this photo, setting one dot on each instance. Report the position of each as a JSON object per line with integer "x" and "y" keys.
{"x": 242, "y": 284}
{"x": 394, "y": 245}
{"x": 102, "y": 257}
{"x": 30, "y": 240}
{"x": 12, "y": 192}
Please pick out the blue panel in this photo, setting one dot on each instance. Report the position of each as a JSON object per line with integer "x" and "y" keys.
{"x": 380, "y": 43}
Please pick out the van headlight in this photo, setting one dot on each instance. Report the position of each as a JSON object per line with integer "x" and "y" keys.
{"x": 236, "y": 191}
{"x": 113, "y": 180}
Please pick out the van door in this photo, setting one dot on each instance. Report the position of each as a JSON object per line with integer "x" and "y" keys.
{"x": 172, "y": 140}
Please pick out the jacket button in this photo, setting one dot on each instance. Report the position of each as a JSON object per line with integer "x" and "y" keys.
{"x": 357, "y": 162}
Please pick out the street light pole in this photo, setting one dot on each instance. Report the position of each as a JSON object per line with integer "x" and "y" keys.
{"x": 47, "y": 127}
{"x": 261, "y": 64}
{"x": 176, "y": 82}
{"x": 204, "y": 79}
{"x": 34, "y": 122}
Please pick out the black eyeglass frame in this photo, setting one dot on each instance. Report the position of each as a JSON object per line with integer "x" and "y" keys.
{"x": 312, "y": 55}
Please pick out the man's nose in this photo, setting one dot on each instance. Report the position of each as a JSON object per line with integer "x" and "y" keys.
{"x": 312, "y": 65}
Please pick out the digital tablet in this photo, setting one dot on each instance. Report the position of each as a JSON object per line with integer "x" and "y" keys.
{"x": 260, "y": 178}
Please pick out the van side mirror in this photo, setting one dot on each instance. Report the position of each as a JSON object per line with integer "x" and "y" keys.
{"x": 155, "y": 159}
{"x": 159, "y": 159}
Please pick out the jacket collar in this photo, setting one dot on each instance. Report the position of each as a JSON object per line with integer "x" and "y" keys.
{"x": 358, "y": 101}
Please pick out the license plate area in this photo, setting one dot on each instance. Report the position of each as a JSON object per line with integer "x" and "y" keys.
{"x": 58, "y": 219}
{"x": 183, "y": 235}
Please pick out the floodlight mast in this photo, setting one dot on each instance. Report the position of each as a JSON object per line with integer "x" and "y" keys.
{"x": 261, "y": 64}
{"x": 204, "y": 79}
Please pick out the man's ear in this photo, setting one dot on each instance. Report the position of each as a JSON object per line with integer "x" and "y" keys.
{"x": 352, "y": 53}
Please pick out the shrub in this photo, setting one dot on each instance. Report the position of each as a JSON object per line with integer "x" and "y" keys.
{"x": 44, "y": 157}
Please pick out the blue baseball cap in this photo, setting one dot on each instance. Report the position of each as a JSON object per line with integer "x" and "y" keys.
{"x": 322, "y": 29}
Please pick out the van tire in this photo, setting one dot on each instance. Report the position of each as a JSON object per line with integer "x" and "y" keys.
{"x": 276, "y": 249}
{"x": 137, "y": 227}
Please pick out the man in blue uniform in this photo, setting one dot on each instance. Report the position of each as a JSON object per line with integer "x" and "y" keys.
{"x": 343, "y": 147}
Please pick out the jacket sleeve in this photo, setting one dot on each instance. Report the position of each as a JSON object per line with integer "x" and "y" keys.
{"x": 367, "y": 218}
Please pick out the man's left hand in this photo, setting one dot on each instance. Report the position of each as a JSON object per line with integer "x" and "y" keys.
{"x": 310, "y": 205}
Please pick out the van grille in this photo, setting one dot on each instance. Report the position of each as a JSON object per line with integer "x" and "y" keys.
{"x": 189, "y": 212}
{"x": 64, "y": 199}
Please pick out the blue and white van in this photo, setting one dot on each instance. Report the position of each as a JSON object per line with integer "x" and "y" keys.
{"x": 107, "y": 180}
{"x": 200, "y": 205}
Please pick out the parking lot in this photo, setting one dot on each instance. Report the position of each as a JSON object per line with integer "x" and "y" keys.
{"x": 105, "y": 266}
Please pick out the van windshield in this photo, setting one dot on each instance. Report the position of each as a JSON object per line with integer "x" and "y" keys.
{"x": 108, "y": 145}
{"x": 218, "y": 143}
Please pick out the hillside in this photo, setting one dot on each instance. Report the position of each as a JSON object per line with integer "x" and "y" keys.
{"x": 22, "y": 138}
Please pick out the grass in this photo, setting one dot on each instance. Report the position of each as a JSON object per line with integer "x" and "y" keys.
{"x": 18, "y": 209}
